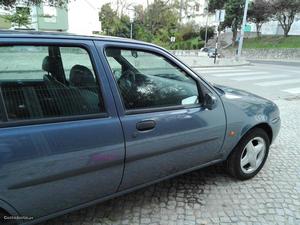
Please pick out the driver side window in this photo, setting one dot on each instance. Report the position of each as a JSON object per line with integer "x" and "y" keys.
{"x": 148, "y": 80}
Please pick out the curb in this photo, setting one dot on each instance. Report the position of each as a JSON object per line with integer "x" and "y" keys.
{"x": 279, "y": 61}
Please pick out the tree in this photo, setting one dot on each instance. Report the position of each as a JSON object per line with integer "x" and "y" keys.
{"x": 214, "y": 5}
{"x": 161, "y": 15}
{"x": 108, "y": 17}
{"x": 234, "y": 14}
{"x": 121, "y": 6}
{"x": 11, "y": 3}
{"x": 112, "y": 24}
{"x": 122, "y": 27}
{"x": 285, "y": 11}
{"x": 210, "y": 33}
{"x": 21, "y": 17}
{"x": 259, "y": 13}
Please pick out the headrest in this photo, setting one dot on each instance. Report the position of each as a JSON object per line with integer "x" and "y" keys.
{"x": 81, "y": 76}
{"x": 48, "y": 64}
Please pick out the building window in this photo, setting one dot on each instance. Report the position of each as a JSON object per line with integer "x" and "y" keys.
{"x": 197, "y": 7}
{"x": 49, "y": 14}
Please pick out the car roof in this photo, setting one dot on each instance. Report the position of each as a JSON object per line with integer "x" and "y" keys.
{"x": 63, "y": 35}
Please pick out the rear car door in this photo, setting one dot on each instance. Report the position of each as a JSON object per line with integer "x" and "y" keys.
{"x": 167, "y": 129}
{"x": 61, "y": 142}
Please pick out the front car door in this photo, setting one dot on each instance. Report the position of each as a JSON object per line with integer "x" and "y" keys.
{"x": 167, "y": 129}
{"x": 61, "y": 141}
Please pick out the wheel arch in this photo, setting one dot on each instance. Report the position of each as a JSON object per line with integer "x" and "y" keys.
{"x": 264, "y": 126}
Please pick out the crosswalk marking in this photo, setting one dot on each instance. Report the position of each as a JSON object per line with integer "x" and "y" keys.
{"x": 284, "y": 80}
{"x": 215, "y": 68}
{"x": 278, "y": 82}
{"x": 221, "y": 68}
{"x": 240, "y": 74}
{"x": 258, "y": 77}
{"x": 227, "y": 71}
{"x": 293, "y": 90}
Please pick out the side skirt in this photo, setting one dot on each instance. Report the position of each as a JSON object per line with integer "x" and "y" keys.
{"x": 84, "y": 205}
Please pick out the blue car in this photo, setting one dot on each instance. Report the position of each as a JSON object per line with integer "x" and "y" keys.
{"x": 86, "y": 119}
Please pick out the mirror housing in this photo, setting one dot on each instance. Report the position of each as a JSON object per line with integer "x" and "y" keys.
{"x": 210, "y": 101}
{"x": 134, "y": 53}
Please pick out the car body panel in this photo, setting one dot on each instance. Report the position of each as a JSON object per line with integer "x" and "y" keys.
{"x": 59, "y": 166}
{"x": 244, "y": 111}
{"x": 79, "y": 159}
{"x": 182, "y": 138}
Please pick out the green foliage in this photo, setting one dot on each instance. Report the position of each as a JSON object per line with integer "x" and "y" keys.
{"x": 259, "y": 13}
{"x": 216, "y": 4}
{"x": 20, "y": 18}
{"x": 188, "y": 31}
{"x": 112, "y": 24}
{"x": 268, "y": 42}
{"x": 192, "y": 44}
{"x": 285, "y": 11}
{"x": 234, "y": 14}
{"x": 108, "y": 18}
{"x": 160, "y": 15}
{"x": 210, "y": 33}
{"x": 12, "y": 3}
{"x": 157, "y": 24}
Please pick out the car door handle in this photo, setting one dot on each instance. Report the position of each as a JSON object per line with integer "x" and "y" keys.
{"x": 145, "y": 125}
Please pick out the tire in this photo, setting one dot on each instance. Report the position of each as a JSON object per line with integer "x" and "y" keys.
{"x": 250, "y": 155}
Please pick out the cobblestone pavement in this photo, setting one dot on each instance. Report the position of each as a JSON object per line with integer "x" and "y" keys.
{"x": 210, "y": 196}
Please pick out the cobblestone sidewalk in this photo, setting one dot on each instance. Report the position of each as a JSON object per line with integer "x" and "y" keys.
{"x": 210, "y": 196}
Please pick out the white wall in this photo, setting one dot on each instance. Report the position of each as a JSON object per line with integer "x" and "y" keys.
{"x": 274, "y": 28}
{"x": 83, "y": 17}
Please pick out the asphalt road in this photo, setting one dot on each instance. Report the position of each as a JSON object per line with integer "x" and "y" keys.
{"x": 271, "y": 80}
{"x": 210, "y": 196}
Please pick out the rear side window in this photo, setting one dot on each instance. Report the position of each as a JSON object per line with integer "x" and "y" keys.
{"x": 39, "y": 82}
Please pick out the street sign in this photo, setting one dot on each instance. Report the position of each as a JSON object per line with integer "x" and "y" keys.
{"x": 247, "y": 28}
{"x": 220, "y": 16}
{"x": 173, "y": 39}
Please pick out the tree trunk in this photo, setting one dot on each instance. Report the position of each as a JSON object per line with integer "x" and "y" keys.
{"x": 286, "y": 31}
{"x": 258, "y": 28}
{"x": 234, "y": 36}
{"x": 286, "y": 34}
{"x": 286, "y": 25}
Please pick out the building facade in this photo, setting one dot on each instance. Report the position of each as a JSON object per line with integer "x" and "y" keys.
{"x": 196, "y": 12}
{"x": 80, "y": 17}
{"x": 41, "y": 18}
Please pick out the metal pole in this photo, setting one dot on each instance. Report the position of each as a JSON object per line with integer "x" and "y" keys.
{"x": 241, "y": 40}
{"x": 218, "y": 34}
{"x": 181, "y": 10}
{"x": 217, "y": 42}
{"x": 131, "y": 30}
{"x": 206, "y": 30}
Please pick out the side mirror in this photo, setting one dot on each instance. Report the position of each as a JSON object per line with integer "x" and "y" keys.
{"x": 134, "y": 54}
{"x": 209, "y": 101}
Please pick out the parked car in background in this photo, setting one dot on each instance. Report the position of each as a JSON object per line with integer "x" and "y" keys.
{"x": 86, "y": 119}
{"x": 204, "y": 49}
{"x": 212, "y": 53}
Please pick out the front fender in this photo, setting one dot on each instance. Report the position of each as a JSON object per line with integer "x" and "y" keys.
{"x": 244, "y": 114}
